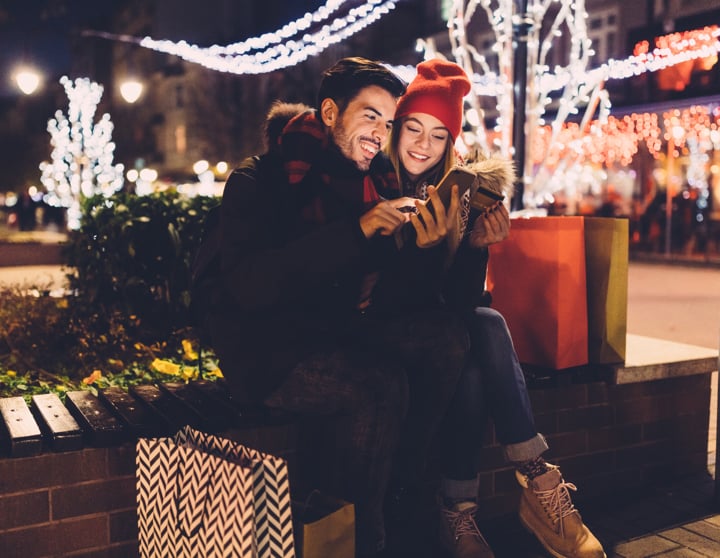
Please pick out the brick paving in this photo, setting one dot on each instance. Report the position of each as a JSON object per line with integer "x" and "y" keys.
{"x": 680, "y": 519}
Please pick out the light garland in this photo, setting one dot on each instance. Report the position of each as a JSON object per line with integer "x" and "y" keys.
{"x": 285, "y": 32}
{"x": 559, "y": 146}
{"x": 273, "y": 51}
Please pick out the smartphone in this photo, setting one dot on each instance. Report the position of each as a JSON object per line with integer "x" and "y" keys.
{"x": 461, "y": 176}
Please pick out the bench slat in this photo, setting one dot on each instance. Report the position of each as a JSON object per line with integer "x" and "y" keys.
{"x": 22, "y": 434}
{"x": 59, "y": 428}
{"x": 99, "y": 425}
{"x": 139, "y": 418}
{"x": 212, "y": 416}
{"x": 171, "y": 408}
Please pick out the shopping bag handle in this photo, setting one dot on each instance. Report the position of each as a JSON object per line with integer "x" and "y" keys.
{"x": 194, "y": 482}
{"x": 306, "y": 502}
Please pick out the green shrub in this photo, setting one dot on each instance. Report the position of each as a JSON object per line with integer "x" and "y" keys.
{"x": 126, "y": 318}
{"x": 132, "y": 254}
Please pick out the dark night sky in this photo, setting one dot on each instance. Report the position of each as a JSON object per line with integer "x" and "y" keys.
{"x": 41, "y": 31}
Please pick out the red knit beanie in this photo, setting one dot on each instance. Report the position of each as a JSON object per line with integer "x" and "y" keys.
{"x": 438, "y": 90}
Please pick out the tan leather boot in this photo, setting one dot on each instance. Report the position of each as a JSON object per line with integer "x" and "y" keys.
{"x": 460, "y": 534}
{"x": 547, "y": 511}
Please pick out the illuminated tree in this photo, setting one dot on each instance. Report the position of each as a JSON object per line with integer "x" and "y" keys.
{"x": 570, "y": 86}
{"x": 81, "y": 162}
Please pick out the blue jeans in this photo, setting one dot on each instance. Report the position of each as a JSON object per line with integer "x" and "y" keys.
{"x": 491, "y": 384}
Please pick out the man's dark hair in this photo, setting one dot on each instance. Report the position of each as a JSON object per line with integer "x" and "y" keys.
{"x": 344, "y": 80}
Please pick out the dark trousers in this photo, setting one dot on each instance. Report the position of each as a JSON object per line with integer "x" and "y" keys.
{"x": 386, "y": 390}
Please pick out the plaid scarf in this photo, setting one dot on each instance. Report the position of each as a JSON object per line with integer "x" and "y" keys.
{"x": 307, "y": 152}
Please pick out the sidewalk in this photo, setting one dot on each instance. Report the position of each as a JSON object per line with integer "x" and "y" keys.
{"x": 671, "y": 521}
{"x": 40, "y": 247}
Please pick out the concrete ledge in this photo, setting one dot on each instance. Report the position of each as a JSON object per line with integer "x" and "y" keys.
{"x": 650, "y": 359}
{"x": 30, "y": 253}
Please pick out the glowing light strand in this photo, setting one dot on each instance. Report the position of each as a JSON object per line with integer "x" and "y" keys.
{"x": 563, "y": 144}
{"x": 273, "y": 51}
{"x": 285, "y": 32}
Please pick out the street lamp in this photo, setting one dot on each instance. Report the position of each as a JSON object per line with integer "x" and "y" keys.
{"x": 27, "y": 79}
{"x": 131, "y": 89}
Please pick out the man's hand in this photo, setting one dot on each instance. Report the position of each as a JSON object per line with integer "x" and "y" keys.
{"x": 491, "y": 227}
{"x": 433, "y": 227}
{"x": 383, "y": 218}
{"x": 404, "y": 204}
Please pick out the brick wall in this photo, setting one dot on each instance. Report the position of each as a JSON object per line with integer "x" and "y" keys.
{"x": 607, "y": 438}
{"x": 82, "y": 503}
{"x": 79, "y": 503}
{"x": 611, "y": 439}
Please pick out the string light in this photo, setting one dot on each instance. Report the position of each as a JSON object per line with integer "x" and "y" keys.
{"x": 272, "y": 51}
{"x": 558, "y": 146}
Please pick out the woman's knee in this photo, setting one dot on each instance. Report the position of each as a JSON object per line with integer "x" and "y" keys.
{"x": 488, "y": 323}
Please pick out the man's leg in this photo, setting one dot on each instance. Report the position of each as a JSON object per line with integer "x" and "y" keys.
{"x": 432, "y": 346}
{"x": 367, "y": 400}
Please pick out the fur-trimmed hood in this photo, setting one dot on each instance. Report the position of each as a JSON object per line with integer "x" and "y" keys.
{"x": 495, "y": 173}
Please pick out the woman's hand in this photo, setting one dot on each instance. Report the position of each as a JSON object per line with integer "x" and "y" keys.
{"x": 434, "y": 226}
{"x": 491, "y": 227}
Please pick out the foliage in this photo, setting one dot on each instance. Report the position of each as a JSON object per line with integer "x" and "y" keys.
{"x": 51, "y": 344}
{"x": 132, "y": 255}
{"x": 126, "y": 318}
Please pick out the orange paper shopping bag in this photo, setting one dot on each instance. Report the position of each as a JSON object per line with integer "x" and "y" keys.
{"x": 538, "y": 283}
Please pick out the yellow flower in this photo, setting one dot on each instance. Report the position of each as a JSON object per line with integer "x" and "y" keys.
{"x": 165, "y": 367}
{"x": 217, "y": 372}
{"x": 92, "y": 378}
{"x": 188, "y": 352}
{"x": 11, "y": 373}
{"x": 189, "y": 373}
{"x": 115, "y": 364}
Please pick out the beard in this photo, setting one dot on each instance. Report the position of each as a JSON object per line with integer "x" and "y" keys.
{"x": 345, "y": 146}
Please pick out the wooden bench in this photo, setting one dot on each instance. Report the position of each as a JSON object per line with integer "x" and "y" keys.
{"x": 117, "y": 416}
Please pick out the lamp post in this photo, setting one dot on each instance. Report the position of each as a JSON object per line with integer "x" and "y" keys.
{"x": 522, "y": 23}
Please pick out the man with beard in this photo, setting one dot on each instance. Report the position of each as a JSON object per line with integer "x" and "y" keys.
{"x": 304, "y": 318}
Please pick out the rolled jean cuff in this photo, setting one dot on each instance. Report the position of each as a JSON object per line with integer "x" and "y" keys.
{"x": 527, "y": 450}
{"x": 459, "y": 490}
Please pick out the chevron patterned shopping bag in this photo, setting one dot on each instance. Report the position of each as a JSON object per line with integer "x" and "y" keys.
{"x": 203, "y": 495}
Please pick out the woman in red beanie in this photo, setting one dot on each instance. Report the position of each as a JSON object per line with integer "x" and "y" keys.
{"x": 427, "y": 122}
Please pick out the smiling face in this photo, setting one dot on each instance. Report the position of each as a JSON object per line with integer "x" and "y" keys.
{"x": 362, "y": 129}
{"x": 422, "y": 143}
